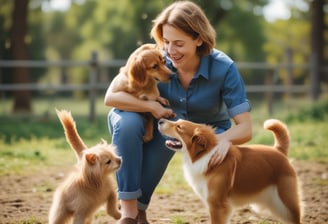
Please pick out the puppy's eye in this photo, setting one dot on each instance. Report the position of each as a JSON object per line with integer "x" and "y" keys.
{"x": 156, "y": 67}
{"x": 108, "y": 162}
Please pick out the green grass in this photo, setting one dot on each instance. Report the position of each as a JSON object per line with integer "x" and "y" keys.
{"x": 38, "y": 141}
{"x": 30, "y": 143}
{"x": 307, "y": 123}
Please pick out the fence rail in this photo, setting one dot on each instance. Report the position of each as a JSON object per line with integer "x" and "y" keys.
{"x": 93, "y": 85}
{"x": 101, "y": 86}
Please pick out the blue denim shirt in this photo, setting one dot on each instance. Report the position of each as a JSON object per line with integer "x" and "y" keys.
{"x": 215, "y": 94}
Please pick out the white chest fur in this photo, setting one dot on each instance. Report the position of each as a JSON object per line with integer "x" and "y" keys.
{"x": 194, "y": 174}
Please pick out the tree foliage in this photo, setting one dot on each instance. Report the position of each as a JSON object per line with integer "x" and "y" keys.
{"x": 115, "y": 28}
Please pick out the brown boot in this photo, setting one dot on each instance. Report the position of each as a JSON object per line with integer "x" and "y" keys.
{"x": 127, "y": 220}
{"x": 142, "y": 217}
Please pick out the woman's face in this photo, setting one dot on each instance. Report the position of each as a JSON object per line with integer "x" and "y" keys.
{"x": 180, "y": 47}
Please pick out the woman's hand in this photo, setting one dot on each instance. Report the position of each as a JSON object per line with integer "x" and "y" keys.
{"x": 125, "y": 101}
{"x": 217, "y": 158}
{"x": 158, "y": 111}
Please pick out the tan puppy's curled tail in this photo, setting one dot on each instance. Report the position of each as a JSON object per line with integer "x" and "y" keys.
{"x": 281, "y": 134}
{"x": 72, "y": 136}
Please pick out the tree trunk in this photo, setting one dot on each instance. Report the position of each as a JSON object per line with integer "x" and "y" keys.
{"x": 22, "y": 98}
{"x": 317, "y": 17}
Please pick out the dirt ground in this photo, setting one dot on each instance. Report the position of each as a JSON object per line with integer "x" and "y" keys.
{"x": 26, "y": 199}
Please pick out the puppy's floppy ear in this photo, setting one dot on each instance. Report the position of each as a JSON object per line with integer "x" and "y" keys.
{"x": 137, "y": 71}
{"x": 91, "y": 158}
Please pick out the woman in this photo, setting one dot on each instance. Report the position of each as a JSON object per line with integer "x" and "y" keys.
{"x": 205, "y": 87}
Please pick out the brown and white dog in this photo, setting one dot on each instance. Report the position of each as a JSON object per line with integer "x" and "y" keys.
{"x": 250, "y": 174}
{"x": 90, "y": 184}
{"x": 139, "y": 77}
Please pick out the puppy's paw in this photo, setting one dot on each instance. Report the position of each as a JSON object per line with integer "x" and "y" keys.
{"x": 147, "y": 137}
{"x": 163, "y": 101}
{"x": 116, "y": 215}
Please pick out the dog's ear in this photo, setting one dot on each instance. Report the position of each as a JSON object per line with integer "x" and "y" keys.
{"x": 199, "y": 138}
{"x": 91, "y": 158}
{"x": 137, "y": 72}
{"x": 199, "y": 145}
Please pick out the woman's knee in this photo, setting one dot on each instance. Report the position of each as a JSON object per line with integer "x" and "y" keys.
{"x": 125, "y": 119}
{"x": 128, "y": 122}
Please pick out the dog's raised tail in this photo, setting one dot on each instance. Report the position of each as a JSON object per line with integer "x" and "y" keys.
{"x": 281, "y": 134}
{"x": 72, "y": 136}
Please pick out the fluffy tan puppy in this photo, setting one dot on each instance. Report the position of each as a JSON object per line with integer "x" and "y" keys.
{"x": 250, "y": 174}
{"x": 139, "y": 77}
{"x": 90, "y": 184}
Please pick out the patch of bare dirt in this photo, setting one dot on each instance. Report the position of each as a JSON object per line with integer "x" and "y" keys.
{"x": 26, "y": 199}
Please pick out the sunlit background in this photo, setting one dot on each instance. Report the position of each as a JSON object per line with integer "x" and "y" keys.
{"x": 64, "y": 53}
{"x": 277, "y": 43}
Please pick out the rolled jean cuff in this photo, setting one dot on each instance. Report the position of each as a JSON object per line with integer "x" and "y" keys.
{"x": 129, "y": 195}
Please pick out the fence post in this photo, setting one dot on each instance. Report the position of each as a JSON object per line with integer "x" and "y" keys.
{"x": 92, "y": 83}
{"x": 269, "y": 93}
{"x": 289, "y": 69}
{"x": 314, "y": 78}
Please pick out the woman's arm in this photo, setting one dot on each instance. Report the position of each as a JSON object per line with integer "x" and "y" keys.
{"x": 125, "y": 101}
{"x": 239, "y": 133}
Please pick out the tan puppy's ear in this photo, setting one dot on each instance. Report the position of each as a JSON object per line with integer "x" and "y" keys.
{"x": 91, "y": 158}
{"x": 137, "y": 72}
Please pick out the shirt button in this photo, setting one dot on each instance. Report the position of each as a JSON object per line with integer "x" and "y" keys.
{"x": 182, "y": 100}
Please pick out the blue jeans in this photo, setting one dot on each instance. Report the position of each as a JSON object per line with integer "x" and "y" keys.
{"x": 143, "y": 163}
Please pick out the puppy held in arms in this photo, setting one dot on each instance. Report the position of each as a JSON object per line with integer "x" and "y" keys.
{"x": 250, "y": 174}
{"x": 144, "y": 69}
{"x": 90, "y": 184}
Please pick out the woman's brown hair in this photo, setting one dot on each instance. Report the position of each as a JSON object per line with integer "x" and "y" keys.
{"x": 188, "y": 17}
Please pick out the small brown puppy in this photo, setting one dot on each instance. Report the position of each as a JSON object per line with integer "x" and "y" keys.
{"x": 250, "y": 174}
{"x": 89, "y": 185}
{"x": 139, "y": 77}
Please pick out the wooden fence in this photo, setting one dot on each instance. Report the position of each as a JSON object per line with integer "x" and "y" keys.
{"x": 270, "y": 87}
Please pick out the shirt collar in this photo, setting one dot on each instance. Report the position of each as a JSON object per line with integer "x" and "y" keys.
{"x": 203, "y": 69}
